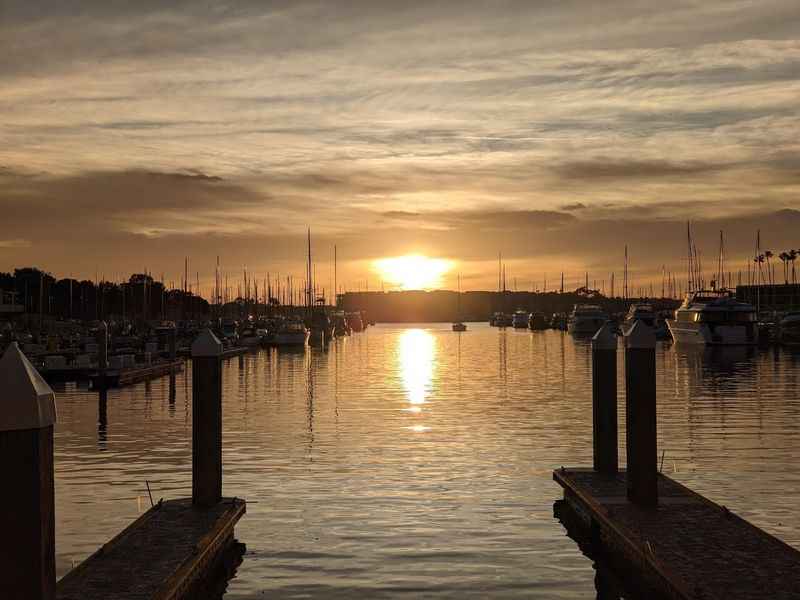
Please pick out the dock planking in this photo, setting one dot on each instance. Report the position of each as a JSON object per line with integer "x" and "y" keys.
{"x": 124, "y": 377}
{"x": 160, "y": 556}
{"x": 687, "y": 547}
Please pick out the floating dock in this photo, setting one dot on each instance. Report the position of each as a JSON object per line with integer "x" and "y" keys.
{"x": 687, "y": 547}
{"x": 163, "y": 555}
{"x": 122, "y": 377}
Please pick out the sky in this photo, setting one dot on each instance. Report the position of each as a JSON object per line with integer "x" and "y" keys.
{"x": 135, "y": 134}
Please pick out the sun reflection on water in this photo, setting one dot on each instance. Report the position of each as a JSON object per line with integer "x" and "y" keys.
{"x": 417, "y": 356}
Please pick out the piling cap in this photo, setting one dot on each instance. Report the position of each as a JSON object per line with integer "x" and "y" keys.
{"x": 640, "y": 336}
{"x": 206, "y": 344}
{"x": 605, "y": 338}
{"x": 27, "y": 401}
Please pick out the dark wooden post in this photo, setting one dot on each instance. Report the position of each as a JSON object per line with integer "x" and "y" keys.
{"x": 27, "y": 507}
{"x": 640, "y": 419}
{"x": 206, "y": 419}
{"x": 604, "y": 400}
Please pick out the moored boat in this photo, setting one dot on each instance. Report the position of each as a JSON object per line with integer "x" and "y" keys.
{"x": 714, "y": 317}
{"x": 519, "y": 319}
{"x": 789, "y": 329}
{"x": 586, "y": 319}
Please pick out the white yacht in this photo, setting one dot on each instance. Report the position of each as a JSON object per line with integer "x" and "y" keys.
{"x": 714, "y": 317}
{"x": 586, "y": 319}
{"x": 520, "y": 319}
{"x": 645, "y": 313}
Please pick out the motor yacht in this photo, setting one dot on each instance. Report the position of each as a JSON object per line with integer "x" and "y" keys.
{"x": 645, "y": 313}
{"x": 714, "y": 317}
{"x": 586, "y": 319}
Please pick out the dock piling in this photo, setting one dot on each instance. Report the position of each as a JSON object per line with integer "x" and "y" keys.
{"x": 604, "y": 401}
{"x": 206, "y": 419}
{"x": 640, "y": 418}
{"x": 27, "y": 512}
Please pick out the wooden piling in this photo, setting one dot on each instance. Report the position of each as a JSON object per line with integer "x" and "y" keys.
{"x": 206, "y": 420}
{"x": 640, "y": 418}
{"x": 27, "y": 510}
{"x": 604, "y": 401}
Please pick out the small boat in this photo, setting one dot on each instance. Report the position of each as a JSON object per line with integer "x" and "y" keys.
{"x": 459, "y": 324}
{"x": 291, "y": 333}
{"x": 789, "y": 329}
{"x": 354, "y": 321}
{"x": 644, "y": 312}
{"x": 250, "y": 337}
{"x": 716, "y": 318}
{"x": 537, "y": 321}
{"x": 520, "y": 319}
{"x": 586, "y": 319}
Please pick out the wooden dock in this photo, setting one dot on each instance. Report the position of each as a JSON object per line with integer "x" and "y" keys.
{"x": 685, "y": 548}
{"x": 163, "y": 555}
{"x": 122, "y": 377}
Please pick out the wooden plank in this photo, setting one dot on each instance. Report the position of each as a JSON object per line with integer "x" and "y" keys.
{"x": 157, "y": 557}
{"x": 688, "y": 546}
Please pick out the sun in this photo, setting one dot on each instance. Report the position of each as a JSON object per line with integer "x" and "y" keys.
{"x": 413, "y": 271}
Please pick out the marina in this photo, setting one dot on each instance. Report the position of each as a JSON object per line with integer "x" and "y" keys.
{"x": 450, "y": 301}
{"x": 432, "y": 390}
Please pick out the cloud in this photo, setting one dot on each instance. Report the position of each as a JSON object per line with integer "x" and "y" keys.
{"x": 145, "y": 130}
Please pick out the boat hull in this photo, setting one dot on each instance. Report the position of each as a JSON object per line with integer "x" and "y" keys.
{"x": 291, "y": 339}
{"x": 720, "y": 335}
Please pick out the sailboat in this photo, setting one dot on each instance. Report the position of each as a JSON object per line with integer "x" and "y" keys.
{"x": 459, "y": 325}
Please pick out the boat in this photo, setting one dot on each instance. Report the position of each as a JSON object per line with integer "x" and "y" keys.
{"x": 459, "y": 325}
{"x": 291, "y": 333}
{"x": 500, "y": 319}
{"x": 714, "y": 317}
{"x": 644, "y": 312}
{"x": 340, "y": 326}
{"x": 789, "y": 329}
{"x": 250, "y": 337}
{"x": 586, "y": 319}
{"x": 537, "y": 321}
{"x": 354, "y": 321}
{"x": 321, "y": 325}
{"x": 519, "y": 320}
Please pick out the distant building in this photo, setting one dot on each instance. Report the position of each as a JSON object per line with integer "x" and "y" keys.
{"x": 781, "y": 298}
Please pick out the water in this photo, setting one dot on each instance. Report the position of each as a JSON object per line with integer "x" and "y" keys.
{"x": 414, "y": 461}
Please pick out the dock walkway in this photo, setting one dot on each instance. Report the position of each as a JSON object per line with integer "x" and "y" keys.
{"x": 688, "y": 547}
{"x": 157, "y": 557}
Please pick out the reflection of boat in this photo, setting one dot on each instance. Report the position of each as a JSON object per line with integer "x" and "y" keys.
{"x": 537, "y": 321}
{"x": 586, "y": 319}
{"x": 520, "y": 319}
{"x": 646, "y": 314}
{"x": 714, "y": 317}
{"x": 291, "y": 333}
{"x": 789, "y": 329}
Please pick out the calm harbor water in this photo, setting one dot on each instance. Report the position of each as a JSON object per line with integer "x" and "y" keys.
{"x": 412, "y": 460}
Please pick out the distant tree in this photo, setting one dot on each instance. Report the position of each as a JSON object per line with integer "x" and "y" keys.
{"x": 784, "y": 256}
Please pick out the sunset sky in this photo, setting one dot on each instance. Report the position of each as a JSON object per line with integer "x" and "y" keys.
{"x": 133, "y": 135}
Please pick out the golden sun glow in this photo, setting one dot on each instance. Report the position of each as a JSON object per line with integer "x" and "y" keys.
{"x": 413, "y": 271}
{"x": 417, "y": 354}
